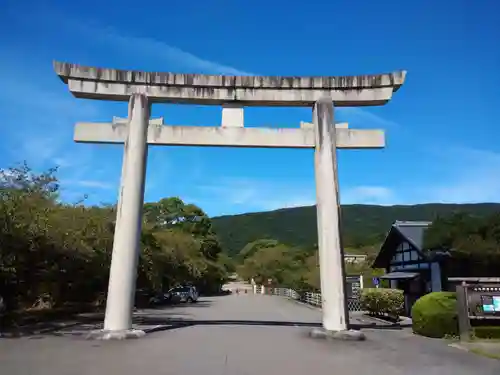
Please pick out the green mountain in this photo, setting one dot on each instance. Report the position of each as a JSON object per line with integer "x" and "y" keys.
{"x": 362, "y": 225}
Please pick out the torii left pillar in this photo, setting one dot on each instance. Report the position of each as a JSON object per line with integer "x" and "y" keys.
{"x": 123, "y": 270}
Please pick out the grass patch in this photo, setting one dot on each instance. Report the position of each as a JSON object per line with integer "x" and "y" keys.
{"x": 485, "y": 353}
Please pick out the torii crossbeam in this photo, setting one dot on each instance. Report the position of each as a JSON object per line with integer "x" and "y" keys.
{"x": 161, "y": 135}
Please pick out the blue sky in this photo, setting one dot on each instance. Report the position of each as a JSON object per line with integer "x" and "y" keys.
{"x": 442, "y": 127}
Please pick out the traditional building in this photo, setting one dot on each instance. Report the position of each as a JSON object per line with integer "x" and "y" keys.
{"x": 408, "y": 266}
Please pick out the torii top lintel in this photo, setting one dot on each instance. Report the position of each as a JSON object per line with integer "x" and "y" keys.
{"x": 114, "y": 84}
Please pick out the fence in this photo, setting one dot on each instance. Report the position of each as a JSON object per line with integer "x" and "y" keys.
{"x": 354, "y": 284}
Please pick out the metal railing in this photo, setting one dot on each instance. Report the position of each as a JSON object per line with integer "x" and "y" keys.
{"x": 355, "y": 284}
{"x": 314, "y": 299}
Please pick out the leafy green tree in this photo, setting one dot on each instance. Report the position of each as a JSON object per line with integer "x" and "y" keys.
{"x": 293, "y": 267}
{"x": 473, "y": 243}
{"x": 173, "y": 213}
{"x": 55, "y": 254}
{"x": 270, "y": 260}
{"x": 251, "y": 248}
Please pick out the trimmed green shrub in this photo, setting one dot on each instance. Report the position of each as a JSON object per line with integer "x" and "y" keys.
{"x": 435, "y": 315}
{"x": 383, "y": 301}
{"x": 487, "y": 332}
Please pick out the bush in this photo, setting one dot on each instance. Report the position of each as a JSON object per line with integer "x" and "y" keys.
{"x": 487, "y": 332}
{"x": 382, "y": 301}
{"x": 435, "y": 315}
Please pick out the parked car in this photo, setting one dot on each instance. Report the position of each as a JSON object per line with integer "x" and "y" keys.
{"x": 144, "y": 297}
{"x": 159, "y": 299}
{"x": 171, "y": 298}
{"x": 187, "y": 294}
{"x": 149, "y": 298}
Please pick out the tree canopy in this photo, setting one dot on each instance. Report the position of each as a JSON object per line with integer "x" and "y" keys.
{"x": 291, "y": 267}
{"x": 60, "y": 253}
{"x": 472, "y": 242}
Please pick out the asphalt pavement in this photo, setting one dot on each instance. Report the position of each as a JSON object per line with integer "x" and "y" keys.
{"x": 242, "y": 334}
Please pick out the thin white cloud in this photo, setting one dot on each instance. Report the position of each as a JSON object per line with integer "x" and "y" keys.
{"x": 257, "y": 195}
{"x": 164, "y": 51}
{"x": 38, "y": 118}
{"x": 95, "y": 184}
{"x": 471, "y": 176}
{"x": 147, "y": 48}
{"x": 379, "y": 195}
{"x": 367, "y": 118}
{"x": 150, "y": 48}
{"x": 37, "y": 149}
{"x": 460, "y": 175}
{"x": 62, "y": 162}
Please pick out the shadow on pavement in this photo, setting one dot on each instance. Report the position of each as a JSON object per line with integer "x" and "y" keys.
{"x": 167, "y": 317}
{"x": 169, "y": 324}
{"x": 205, "y": 303}
{"x": 163, "y": 314}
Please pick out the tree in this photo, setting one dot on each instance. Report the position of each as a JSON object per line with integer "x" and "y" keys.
{"x": 173, "y": 213}
{"x": 271, "y": 260}
{"x": 55, "y": 254}
{"x": 228, "y": 263}
{"x": 48, "y": 251}
{"x": 472, "y": 242}
{"x": 251, "y": 248}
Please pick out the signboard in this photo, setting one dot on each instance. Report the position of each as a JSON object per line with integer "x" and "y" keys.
{"x": 376, "y": 281}
{"x": 477, "y": 298}
{"x": 490, "y": 304}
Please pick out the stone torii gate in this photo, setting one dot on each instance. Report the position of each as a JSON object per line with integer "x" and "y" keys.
{"x": 142, "y": 89}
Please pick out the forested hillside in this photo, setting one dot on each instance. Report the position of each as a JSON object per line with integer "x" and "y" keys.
{"x": 363, "y": 225}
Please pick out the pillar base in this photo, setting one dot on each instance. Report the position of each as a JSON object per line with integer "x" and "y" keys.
{"x": 346, "y": 335}
{"x": 115, "y": 335}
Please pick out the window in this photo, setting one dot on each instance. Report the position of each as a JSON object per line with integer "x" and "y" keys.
{"x": 410, "y": 266}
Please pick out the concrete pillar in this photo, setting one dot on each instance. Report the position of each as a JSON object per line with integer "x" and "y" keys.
{"x": 334, "y": 307}
{"x": 123, "y": 270}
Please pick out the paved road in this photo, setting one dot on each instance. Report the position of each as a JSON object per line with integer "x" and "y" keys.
{"x": 238, "y": 335}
